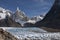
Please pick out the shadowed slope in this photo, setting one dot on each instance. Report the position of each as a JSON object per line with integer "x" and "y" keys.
{"x": 52, "y": 18}
{"x": 8, "y": 22}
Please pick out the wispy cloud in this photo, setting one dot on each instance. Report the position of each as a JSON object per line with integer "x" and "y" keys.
{"x": 38, "y": 0}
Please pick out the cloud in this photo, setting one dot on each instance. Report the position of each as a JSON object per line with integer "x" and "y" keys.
{"x": 38, "y": 0}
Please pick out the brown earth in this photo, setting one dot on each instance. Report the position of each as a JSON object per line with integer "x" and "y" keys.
{"x": 6, "y": 36}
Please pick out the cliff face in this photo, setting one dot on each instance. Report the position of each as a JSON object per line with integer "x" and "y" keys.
{"x": 6, "y": 36}
{"x": 52, "y": 18}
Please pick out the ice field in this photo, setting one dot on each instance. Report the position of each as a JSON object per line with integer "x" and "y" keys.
{"x": 32, "y": 33}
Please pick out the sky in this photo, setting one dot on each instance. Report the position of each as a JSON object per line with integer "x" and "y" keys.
{"x": 30, "y": 7}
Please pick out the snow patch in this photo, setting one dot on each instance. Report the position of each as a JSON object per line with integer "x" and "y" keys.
{"x": 4, "y": 13}
{"x": 2, "y": 16}
{"x": 31, "y": 21}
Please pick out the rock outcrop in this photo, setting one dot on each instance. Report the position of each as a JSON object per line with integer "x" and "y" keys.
{"x": 8, "y": 22}
{"x": 6, "y": 36}
{"x": 20, "y": 16}
{"x": 52, "y": 18}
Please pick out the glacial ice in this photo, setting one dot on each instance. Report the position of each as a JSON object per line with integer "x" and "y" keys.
{"x": 32, "y": 33}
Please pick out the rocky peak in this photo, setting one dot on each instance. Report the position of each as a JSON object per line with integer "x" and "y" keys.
{"x": 20, "y": 15}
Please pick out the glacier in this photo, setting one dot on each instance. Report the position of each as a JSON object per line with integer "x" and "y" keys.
{"x": 32, "y": 33}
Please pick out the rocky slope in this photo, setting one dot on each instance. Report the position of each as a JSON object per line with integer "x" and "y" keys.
{"x": 6, "y": 36}
{"x": 8, "y": 22}
{"x": 52, "y": 18}
{"x": 6, "y": 19}
{"x": 19, "y": 16}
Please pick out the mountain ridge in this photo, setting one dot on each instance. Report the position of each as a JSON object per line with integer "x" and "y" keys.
{"x": 6, "y": 19}
{"x": 52, "y": 18}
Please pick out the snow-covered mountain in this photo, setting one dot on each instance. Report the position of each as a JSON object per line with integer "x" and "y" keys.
{"x": 35, "y": 19}
{"x": 18, "y": 16}
{"x": 4, "y": 13}
{"x": 6, "y": 19}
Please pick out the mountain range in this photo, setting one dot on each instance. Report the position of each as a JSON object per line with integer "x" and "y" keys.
{"x": 6, "y": 19}
{"x": 17, "y": 18}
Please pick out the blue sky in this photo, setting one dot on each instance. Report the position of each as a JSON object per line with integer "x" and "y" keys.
{"x": 30, "y": 7}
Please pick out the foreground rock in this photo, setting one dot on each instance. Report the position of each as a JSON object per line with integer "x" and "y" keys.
{"x": 6, "y": 36}
{"x": 52, "y": 19}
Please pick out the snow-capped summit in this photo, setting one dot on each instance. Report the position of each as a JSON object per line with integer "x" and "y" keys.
{"x": 4, "y": 13}
{"x": 35, "y": 19}
{"x": 31, "y": 21}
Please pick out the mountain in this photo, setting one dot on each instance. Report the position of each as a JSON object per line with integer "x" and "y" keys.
{"x": 6, "y": 19}
{"x": 4, "y": 13}
{"x": 52, "y": 18}
{"x": 6, "y": 36}
{"x": 37, "y": 18}
{"x": 20, "y": 16}
{"x": 33, "y": 20}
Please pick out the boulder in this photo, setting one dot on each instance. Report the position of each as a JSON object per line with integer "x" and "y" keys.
{"x": 6, "y": 36}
